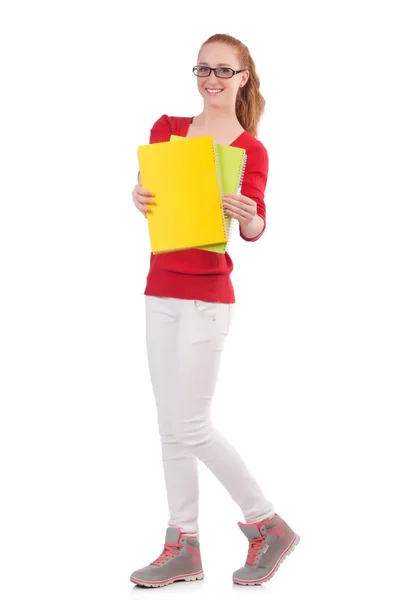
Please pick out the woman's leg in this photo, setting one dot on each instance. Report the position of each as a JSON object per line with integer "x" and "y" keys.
{"x": 185, "y": 339}
{"x": 202, "y": 331}
{"x": 180, "y": 466}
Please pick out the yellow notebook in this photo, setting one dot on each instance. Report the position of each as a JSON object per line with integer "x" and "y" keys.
{"x": 232, "y": 161}
{"x": 184, "y": 177}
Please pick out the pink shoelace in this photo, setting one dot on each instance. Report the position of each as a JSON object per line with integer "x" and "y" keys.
{"x": 169, "y": 550}
{"x": 255, "y": 547}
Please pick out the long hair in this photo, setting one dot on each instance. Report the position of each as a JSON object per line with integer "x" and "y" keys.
{"x": 250, "y": 103}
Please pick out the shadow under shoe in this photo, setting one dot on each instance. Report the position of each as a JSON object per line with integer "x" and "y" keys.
{"x": 270, "y": 542}
{"x": 180, "y": 560}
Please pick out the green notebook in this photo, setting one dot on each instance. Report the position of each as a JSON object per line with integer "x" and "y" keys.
{"x": 231, "y": 165}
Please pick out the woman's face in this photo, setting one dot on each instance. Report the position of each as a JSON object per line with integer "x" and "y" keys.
{"x": 218, "y": 91}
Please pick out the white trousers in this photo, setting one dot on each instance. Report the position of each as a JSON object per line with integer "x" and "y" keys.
{"x": 185, "y": 339}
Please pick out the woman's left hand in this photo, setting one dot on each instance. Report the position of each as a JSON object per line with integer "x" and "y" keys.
{"x": 240, "y": 207}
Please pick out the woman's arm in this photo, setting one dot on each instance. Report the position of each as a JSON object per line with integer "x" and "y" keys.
{"x": 253, "y": 189}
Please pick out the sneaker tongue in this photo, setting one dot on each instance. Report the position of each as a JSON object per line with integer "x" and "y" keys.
{"x": 172, "y": 535}
{"x": 250, "y": 531}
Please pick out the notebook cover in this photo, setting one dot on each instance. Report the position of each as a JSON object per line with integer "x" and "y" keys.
{"x": 232, "y": 165}
{"x": 184, "y": 177}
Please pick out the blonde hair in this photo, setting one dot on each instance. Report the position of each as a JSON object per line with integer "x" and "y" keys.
{"x": 250, "y": 103}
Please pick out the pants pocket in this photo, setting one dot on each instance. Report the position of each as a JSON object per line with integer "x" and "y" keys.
{"x": 219, "y": 313}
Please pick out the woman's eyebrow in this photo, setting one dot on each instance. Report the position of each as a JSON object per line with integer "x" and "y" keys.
{"x": 218, "y": 65}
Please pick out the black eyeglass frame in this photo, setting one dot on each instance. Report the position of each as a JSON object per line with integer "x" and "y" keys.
{"x": 215, "y": 69}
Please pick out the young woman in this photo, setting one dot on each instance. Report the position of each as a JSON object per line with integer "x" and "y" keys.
{"x": 189, "y": 299}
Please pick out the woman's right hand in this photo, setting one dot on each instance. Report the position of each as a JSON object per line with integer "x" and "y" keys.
{"x": 141, "y": 198}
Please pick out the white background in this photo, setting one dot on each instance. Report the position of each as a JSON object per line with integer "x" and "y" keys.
{"x": 307, "y": 387}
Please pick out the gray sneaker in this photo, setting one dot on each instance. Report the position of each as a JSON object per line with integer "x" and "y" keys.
{"x": 270, "y": 542}
{"x": 179, "y": 561}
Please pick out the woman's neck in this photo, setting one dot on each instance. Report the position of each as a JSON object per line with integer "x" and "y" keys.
{"x": 223, "y": 126}
{"x": 216, "y": 118}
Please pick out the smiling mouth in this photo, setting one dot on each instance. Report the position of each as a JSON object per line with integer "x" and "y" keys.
{"x": 213, "y": 91}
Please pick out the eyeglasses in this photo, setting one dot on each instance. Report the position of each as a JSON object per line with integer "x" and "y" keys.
{"x": 222, "y": 72}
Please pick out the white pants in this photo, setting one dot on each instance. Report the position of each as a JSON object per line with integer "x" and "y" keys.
{"x": 185, "y": 339}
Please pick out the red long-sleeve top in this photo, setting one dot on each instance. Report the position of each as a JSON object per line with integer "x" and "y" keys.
{"x": 195, "y": 274}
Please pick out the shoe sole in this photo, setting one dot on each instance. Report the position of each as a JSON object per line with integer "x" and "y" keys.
{"x": 188, "y": 577}
{"x": 287, "y": 552}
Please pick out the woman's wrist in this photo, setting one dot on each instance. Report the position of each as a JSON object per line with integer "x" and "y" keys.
{"x": 254, "y": 228}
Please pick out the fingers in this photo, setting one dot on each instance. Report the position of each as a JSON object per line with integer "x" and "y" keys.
{"x": 238, "y": 200}
{"x": 140, "y": 190}
{"x": 239, "y": 203}
{"x": 234, "y": 196}
{"x": 243, "y": 210}
{"x": 141, "y": 197}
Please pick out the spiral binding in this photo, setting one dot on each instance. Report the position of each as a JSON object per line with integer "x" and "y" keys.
{"x": 240, "y": 183}
{"x": 220, "y": 185}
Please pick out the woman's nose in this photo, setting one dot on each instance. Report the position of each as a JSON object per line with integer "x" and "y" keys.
{"x": 212, "y": 78}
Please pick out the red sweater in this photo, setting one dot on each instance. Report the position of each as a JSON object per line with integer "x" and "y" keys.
{"x": 196, "y": 274}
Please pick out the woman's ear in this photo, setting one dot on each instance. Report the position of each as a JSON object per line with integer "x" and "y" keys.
{"x": 244, "y": 78}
